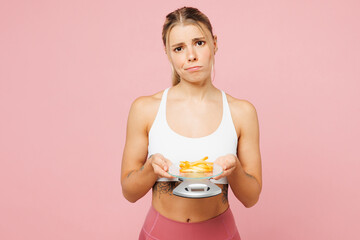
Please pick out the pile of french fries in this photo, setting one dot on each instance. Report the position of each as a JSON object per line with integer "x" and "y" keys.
{"x": 199, "y": 166}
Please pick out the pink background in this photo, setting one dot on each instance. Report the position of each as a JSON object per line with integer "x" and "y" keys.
{"x": 69, "y": 71}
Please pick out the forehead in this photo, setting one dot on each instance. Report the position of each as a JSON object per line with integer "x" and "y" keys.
{"x": 184, "y": 33}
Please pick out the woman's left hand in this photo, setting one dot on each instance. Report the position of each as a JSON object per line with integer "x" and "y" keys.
{"x": 228, "y": 164}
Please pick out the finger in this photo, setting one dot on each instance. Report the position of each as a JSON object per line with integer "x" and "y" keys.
{"x": 220, "y": 161}
{"x": 218, "y": 177}
{"x": 223, "y": 166}
{"x": 225, "y": 173}
{"x": 164, "y": 163}
{"x": 161, "y": 162}
{"x": 168, "y": 163}
{"x": 166, "y": 175}
{"x": 159, "y": 171}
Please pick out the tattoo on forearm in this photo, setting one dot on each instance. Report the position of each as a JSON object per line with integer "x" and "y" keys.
{"x": 225, "y": 193}
{"x": 142, "y": 167}
{"x": 251, "y": 176}
{"x": 164, "y": 188}
{"x": 130, "y": 173}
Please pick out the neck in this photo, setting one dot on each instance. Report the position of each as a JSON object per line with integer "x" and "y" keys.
{"x": 198, "y": 91}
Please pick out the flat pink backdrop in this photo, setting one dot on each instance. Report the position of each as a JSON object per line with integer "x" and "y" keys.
{"x": 69, "y": 71}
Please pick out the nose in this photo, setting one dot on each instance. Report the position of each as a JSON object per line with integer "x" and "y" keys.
{"x": 191, "y": 55}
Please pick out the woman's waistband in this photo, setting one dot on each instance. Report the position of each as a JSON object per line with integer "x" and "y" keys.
{"x": 157, "y": 226}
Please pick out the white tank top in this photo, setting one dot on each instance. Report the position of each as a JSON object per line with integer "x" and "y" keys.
{"x": 176, "y": 148}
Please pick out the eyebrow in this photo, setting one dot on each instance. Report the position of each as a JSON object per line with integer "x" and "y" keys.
{"x": 194, "y": 40}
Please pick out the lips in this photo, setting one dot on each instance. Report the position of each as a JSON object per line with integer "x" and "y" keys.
{"x": 191, "y": 69}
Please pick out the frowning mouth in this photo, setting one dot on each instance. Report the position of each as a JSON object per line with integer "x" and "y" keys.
{"x": 192, "y": 69}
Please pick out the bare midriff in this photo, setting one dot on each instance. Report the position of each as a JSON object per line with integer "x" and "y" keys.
{"x": 187, "y": 209}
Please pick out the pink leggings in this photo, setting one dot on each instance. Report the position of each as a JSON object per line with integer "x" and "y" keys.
{"x": 159, "y": 227}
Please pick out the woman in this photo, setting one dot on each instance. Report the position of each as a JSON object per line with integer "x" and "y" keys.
{"x": 188, "y": 121}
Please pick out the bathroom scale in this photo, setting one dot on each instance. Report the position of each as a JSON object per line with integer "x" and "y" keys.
{"x": 197, "y": 184}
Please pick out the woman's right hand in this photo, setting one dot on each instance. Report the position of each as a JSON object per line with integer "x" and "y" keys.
{"x": 160, "y": 165}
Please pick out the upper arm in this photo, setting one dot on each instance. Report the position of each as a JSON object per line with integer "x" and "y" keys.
{"x": 136, "y": 143}
{"x": 248, "y": 144}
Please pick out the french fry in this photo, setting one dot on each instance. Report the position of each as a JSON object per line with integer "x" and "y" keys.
{"x": 201, "y": 160}
{"x": 197, "y": 166}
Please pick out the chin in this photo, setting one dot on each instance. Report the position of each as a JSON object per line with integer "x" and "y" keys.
{"x": 197, "y": 79}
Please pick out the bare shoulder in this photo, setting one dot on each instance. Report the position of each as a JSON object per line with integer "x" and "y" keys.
{"x": 145, "y": 103}
{"x": 145, "y": 108}
{"x": 242, "y": 111}
{"x": 240, "y": 105}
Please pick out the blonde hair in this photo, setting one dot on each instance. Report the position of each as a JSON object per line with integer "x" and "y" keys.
{"x": 186, "y": 15}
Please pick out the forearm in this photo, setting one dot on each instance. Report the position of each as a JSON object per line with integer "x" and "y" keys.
{"x": 138, "y": 182}
{"x": 245, "y": 187}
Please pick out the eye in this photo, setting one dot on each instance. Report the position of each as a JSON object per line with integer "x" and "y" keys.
{"x": 178, "y": 49}
{"x": 200, "y": 43}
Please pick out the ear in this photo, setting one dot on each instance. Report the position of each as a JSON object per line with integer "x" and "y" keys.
{"x": 215, "y": 44}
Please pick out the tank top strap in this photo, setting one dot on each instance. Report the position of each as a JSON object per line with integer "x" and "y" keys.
{"x": 162, "y": 107}
{"x": 228, "y": 121}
